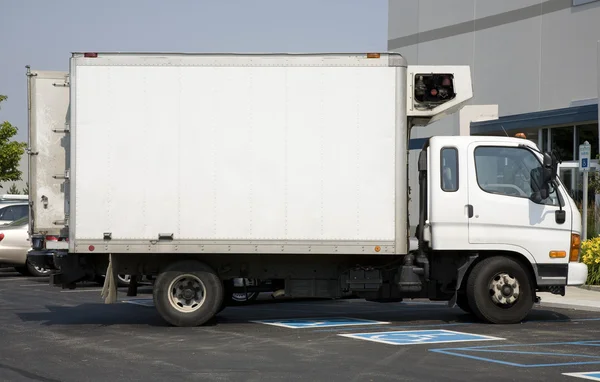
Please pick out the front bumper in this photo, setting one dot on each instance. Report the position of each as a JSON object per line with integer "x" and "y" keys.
{"x": 578, "y": 273}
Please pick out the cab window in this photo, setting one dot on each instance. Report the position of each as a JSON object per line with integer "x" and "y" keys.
{"x": 449, "y": 169}
{"x": 507, "y": 171}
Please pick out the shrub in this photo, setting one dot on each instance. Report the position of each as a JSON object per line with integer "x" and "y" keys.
{"x": 590, "y": 255}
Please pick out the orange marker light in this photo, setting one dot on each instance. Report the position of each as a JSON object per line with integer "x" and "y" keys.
{"x": 377, "y": 248}
{"x": 575, "y": 247}
{"x": 558, "y": 254}
{"x": 373, "y": 55}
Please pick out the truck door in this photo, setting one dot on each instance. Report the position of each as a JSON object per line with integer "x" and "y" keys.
{"x": 502, "y": 215}
{"x": 48, "y": 104}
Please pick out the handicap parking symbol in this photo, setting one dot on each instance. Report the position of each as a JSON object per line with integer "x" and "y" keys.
{"x": 325, "y": 322}
{"x": 416, "y": 337}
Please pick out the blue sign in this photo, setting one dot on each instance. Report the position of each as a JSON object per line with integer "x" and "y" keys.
{"x": 584, "y": 163}
{"x": 416, "y": 337}
{"x": 300, "y": 323}
{"x": 592, "y": 375}
{"x": 585, "y": 153}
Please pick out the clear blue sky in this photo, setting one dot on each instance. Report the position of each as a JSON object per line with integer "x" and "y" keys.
{"x": 43, "y": 33}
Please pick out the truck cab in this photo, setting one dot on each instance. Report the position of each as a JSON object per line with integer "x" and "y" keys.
{"x": 500, "y": 197}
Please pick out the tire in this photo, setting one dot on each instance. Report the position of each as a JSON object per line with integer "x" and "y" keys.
{"x": 463, "y": 303}
{"x": 483, "y": 290}
{"x": 36, "y": 271}
{"x": 30, "y": 270}
{"x": 172, "y": 287}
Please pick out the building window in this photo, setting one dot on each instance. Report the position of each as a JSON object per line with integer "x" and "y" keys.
{"x": 587, "y": 133}
{"x": 562, "y": 142}
{"x": 449, "y": 169}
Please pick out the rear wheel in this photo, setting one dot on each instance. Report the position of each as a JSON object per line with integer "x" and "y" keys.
{"x": 499, "y": 291}
{"x": 188, "y": 293}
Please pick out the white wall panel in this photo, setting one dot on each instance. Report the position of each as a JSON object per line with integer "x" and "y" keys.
{"x": 506, "y": 66}
{"x": 569, "y": 55}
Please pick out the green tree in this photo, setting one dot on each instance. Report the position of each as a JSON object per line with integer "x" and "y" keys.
{"x": 26, "y": 189}
{"x": 11, "y": 151}
{"x": 14, "y": 190}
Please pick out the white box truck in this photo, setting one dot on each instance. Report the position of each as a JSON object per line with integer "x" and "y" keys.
{"x": 204, "y": 168}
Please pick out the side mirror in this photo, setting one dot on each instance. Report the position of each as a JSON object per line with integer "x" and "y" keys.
{"x": 551, "y": 163}
{"x": 540, "y": 178}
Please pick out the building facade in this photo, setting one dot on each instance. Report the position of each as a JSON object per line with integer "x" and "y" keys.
{"x": 536, "y": 61}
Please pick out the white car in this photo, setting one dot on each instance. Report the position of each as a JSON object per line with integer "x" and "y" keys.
{"x": 14, "y": 245}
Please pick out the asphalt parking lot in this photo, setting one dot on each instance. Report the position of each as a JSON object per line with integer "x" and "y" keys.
{"x": 50, "y": 334}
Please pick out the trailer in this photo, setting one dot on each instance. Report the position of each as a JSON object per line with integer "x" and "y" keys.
{"x": 200, "y": 169}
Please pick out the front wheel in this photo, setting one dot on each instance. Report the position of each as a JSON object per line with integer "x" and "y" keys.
{"x": 499, "y": 291}
{"x": 188, "y": 293}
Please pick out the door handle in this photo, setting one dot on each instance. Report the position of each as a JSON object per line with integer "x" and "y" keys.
{"x": 470, "y": 210}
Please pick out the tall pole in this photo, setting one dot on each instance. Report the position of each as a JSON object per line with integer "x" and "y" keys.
{"x": 585, "y": 205}
{"x": 585, "y": 150}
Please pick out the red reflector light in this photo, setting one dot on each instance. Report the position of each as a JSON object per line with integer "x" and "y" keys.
{"x": 91, "y": 248}
{"x": 1, "y": 236}
{"x": 51, "y": 238}
{"x": 90, "y": 55}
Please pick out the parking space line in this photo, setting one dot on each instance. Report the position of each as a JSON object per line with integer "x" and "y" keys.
{"x": 81, "y": 290}
{"x": 12, "y": 279}
{"x": 404, "y": 326}
{"x": 504, "y": 349}
{"x": 318, "y": 322}
{"x": 591, "y": 375}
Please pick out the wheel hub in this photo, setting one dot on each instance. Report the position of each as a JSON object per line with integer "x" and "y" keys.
{"x": 504, "y": 289}
{"x": 507, "y": 290}
{"x": 187, "y": 293}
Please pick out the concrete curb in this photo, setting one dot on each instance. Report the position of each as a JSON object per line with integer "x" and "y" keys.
{"x": 595, "y": 288}
{"x": 587, "y": 308}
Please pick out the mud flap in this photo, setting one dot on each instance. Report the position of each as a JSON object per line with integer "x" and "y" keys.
{"x": 109, "y": 290}
{"x": 459, "y": 278}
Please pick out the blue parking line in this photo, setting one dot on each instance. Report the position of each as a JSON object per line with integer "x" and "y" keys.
{"x": 489, "y": 349}
{"x": 443, "y": 351}
{"x": 398, "y": 327}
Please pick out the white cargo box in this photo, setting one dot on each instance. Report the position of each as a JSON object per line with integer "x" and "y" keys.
{"x": 238, "y": 153}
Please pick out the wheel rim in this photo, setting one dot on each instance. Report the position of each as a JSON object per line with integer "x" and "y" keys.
{"x": 504, "y": 290}
{"x": 187, "y": 293}
{"x": 41, "y": 270}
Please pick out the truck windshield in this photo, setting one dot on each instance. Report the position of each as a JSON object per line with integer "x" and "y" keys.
{"x": 507, "y": 171}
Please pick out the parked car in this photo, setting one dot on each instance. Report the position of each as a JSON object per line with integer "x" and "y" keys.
{"x": 14, "y": 246}
{"x": 12, "y": 211}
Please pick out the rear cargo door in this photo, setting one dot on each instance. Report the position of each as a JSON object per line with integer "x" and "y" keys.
{"x": 48, "y": 103}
